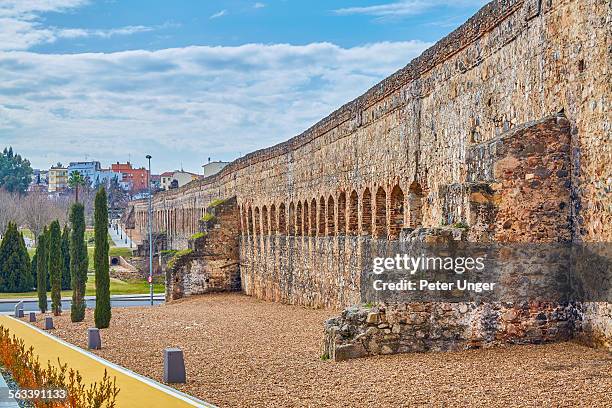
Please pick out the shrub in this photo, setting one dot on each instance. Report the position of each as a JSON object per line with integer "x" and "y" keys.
{"x": 208, "y": 217}
{"x": 460, "y": 225}
{"x": 198, "y": 235}
{"x": 216, "y": 202}
{"x": 15, "y": 272}
{"x": 28, "y": 373}
{"x": 178, "y": 256}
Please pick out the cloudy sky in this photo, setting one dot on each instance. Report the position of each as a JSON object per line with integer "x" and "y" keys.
{"x": 186, "y": 80}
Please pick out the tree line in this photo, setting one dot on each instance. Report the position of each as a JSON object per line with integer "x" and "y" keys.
{"x": 61, "y": 262}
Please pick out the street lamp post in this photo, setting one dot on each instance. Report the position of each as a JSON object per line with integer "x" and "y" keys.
{"x": 150, "y": 233}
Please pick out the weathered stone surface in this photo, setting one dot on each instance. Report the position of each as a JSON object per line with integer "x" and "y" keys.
{"x": 349, "y": 351}
{"x": 212, "y": 265}
{"x": 463, "y": 134}
{"x": 483, "y": 325}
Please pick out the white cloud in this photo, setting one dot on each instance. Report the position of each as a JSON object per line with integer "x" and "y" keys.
{"x": 28, "y": 9}
{"x": 405, "y": 7}
{"x": 259, "y": 5}
{"x": 79, "y": 32}
{"x": 182, "y": 104}
{"x": 218, "y": 14}
{"x": 21, "y": 27}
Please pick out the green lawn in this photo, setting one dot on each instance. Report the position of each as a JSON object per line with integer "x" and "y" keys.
{"x": 117, "y": 287}
{"x": 113, "y": 251}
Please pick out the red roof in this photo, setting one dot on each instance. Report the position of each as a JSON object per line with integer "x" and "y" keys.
{"x": 167, "y": 174}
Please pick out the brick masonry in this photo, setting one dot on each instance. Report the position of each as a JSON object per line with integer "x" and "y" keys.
{"x": 439, "y": 142}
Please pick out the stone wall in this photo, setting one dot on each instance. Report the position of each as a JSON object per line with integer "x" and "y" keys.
{"x": 211, "y": 262}
{"x": 509, "y": 64}
{"x": 400, "y": 155}
{"x": 420, "y": 327}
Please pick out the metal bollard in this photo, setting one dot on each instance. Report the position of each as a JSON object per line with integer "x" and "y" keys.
{"x": 174, "y": 366}
{"x": 32, "y": 316}
{"x": 48, "y": 323}
{"x": 94, "y": 342}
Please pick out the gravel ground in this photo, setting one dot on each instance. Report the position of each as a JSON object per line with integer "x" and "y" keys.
{"x": 242, "y": 352}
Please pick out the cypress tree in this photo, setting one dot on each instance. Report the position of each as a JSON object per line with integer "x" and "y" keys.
{"x": 41, "y": 271}
{"x": 15, "y": 273}
{"x": 102, "y": 314}
{"x": 27, "y": 280}
{"x": 47, "y": 240}
{"x": 33, "y": 266}
{"x": 56, "y": 266}
{"x": 79, "y": 261}
{"x": 66, "y": 257}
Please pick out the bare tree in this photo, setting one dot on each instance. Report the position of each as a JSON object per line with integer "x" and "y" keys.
{"x": 39, "y": 210}
{"x": 10, "y": 209}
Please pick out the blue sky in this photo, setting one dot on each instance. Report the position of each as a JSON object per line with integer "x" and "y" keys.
{"x": 187, "y": 80}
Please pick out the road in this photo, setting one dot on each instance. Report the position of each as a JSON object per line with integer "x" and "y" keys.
{"x": 31, "y": 304}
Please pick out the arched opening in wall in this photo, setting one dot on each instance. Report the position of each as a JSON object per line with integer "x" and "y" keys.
{"x": 282, "y": 219}
{"x": 366, "y": 213}
{"x": 322, "y": 216}
{"x": 257, "y": 222}
{"x": 250, "y": 219}
{"x": 342, "y": 213}
{"x": 291, "y": 219}
{"x": 174, "y": 222}
{"x": 331, "y": 227}
{"x": 415, "y": 205}
{"x": 265, "y": 221}
{"x": 397, "y": 212}
{"x": 243, "y": 225}
{"x": 306, "y": 219}
{"x": 313, "y": 217}
{"x": 380, "y": 226}
{"x": 273, "y": 221}
{"x": 298, "y": 219}
{"x": 353, "y": 214}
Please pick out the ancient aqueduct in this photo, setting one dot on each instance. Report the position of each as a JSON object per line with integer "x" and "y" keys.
{"x": 502, "y": 126}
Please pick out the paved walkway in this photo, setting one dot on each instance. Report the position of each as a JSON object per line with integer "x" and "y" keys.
{"x": 136, "y": 391}
{"x": 5, "y": 400}
{"x": 120, "y": 242}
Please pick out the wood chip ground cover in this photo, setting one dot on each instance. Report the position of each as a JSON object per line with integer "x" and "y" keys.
{"x": 243, "y": 352}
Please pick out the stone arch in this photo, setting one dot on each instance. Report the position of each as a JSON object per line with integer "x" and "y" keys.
{"x": 366, "y": 212}
{"x": 265, "y": 221}
{"x": 342, "y": 213}
{"x": 331, "y": 224}
{"x": 415, "y": 204}
{"x": 298, "y": 218}
{"x": 273, "y": 220}
{"x": 250, "y": 220}
{"x": 322, "y": 216}
{"x": 380, "y": 223}
{"x": 313, "y": 217}
{"x": 282, "y": 219}
{"x": 306, "y": 219}
{"x": 353, "y": 214}
{"x": 243, "y": 220}
{"x": 291, "y": 230}
{"x": 257, "y": 221}
{"x": 396, "y": 212}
